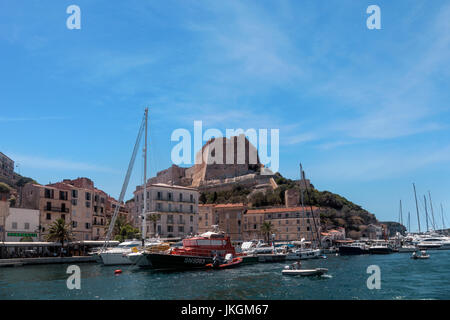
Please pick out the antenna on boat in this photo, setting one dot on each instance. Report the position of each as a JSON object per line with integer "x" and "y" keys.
{"x": 417, "y": 206}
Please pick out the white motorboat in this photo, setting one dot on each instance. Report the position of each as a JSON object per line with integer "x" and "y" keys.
{"x": 407, "y": 248}
{"x": 118, "y": 255}
{"x": 257, "y": 247}
{"x": 439, "y": 243}
{"x": 423, "y": 255}
{"x": 290, "y": 271}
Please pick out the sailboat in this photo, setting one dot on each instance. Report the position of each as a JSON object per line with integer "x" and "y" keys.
{"x": 118, "y": 255}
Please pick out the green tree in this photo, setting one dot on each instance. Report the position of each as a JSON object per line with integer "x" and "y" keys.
{"x": 59, "y": 231}
{"x": 267, "y": 229}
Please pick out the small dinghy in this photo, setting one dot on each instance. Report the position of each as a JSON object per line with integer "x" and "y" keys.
{"x": 423, "y": 255}
{"x": 229, "y": 262}
{"x": 294, "y": 270}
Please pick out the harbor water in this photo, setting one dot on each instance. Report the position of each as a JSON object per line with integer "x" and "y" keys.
{"x": 401, "y": 278}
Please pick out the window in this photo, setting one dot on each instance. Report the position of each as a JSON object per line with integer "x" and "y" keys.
{"x": 191, "y": 218}
{"x": 49, "y": 193}
{"x": 191, "y": 229}
{"x": 48, "y": 217}
{"x": 192, "y": 198}
{"x": 14, "y": 225}
{"x": 170, "y": 207}
{"x": 74, "y": 193}
{"x": 74, "y": 224}
{"x": 87, "y": 225}
{"x": 169, "y": 228}
{"x": 88, "y": 196}
{"x": 180, "y": 229}
{"x": 159, "y": 229}
{"x": 181, "y": 208}
{"x": 102, "y": 200}
{"x": 169, "y": 196}
{"x": 191, "y": 208}
{"x": 159, "y": 197}
{"x": 26, "y": 226}
{"x": 287, "y": 221}
{"x": 86, "y": 237}
{"x": 159, "y": 206}
{"x": 88, "y": 204}
{"x": 49, "y": 206}
{"x": 170, "y": 218}
{"x": 74, "y": 202}
{"x": 181, "y": 197}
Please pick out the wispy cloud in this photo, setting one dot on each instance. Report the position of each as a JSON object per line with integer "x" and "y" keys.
{"x": 57, "y": 164}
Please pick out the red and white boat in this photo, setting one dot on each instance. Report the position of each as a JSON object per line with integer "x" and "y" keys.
{"x": 196, "y": 252}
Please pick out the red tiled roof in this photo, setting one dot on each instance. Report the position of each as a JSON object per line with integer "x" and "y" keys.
{"x": 282, "y": 209}
{"x": 230, "y": 205}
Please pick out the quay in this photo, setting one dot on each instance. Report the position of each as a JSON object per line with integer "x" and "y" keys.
{"x": 45, "y": 260}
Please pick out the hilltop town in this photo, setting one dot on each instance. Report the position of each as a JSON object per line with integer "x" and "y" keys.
{"x": 239, "y": 197}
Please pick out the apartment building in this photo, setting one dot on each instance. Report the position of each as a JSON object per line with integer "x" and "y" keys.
{"x": 227, "y": 216}
{"x": 78, "y": 202}
{"x": 4, "y": 212}
{"x": 22, "y": 225}
{"x": 289, "y": 224}
{"x": 6, "y": 167}
{"x": 175, "y": 208}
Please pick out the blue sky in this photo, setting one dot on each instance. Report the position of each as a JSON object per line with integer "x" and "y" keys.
{"x": 365, "y": 111}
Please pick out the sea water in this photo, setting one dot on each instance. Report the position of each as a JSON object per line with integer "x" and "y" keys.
{"x": 401, "y": 278}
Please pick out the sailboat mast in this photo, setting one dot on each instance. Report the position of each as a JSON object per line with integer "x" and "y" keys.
{"x": 401, "y": 214}
{"x": 417, "y": 206}
{"x": 432, "y": 211}
{"x": 442, "y": 214}
{"x": 409, "y": 221}
{"x": 144, "y": 211}
{"x": 310, "y": 206}
{"x": 426, "y": 211}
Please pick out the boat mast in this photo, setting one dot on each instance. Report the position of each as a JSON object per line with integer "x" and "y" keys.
{"x": 401, "y": 214}
{"x": 417, "y": 206}
{"x": 409, "y": 221}
{"x": 310, "y": 206}
{"x": 432, "y": 211}
{"x": 144, "y": 210}
{"x": 426, "y": 211}
{"x": 442, "y": 214}
{"x": 124, "y": 186}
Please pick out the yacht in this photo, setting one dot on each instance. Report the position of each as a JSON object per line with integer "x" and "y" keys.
{"x": 118, "y": 255}
{"x": 439, "y": 243}
{"x": 196, "y": 252}
{"x": 355, "y": 248}
{"x": 381, "y": 248}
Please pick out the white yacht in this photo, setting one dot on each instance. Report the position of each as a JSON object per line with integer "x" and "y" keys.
{"x": 256, "y": 247}
{"x": 118, "y": 255}
{"x": 437, "y": 243}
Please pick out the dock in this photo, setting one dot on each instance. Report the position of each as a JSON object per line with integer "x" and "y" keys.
{"x": 44, "y": 260}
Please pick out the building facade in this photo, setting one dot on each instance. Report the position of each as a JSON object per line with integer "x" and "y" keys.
{"x": 78, "y": 202}
{"x": 22, "y": 225}
{"x": 4, "y": 212}
{"x": 289, "y": 224}
{"x": 6, "y": 167}
{"x": 227, "y": 216}
{"x": 174, "y": 208}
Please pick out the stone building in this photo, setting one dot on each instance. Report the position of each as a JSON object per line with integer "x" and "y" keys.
{"x": 227, "y": 216}
{"x": 6, "y": 167}
{"x": 289, "y": 224}
{"x": 175, "y": 207}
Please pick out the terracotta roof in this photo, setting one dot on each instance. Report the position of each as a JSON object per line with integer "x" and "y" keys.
{"x": 282, "y": 209}
{"x": 230, "y": 205}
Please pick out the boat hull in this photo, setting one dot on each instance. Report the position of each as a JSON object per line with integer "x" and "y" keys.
{"x": 349, "y": 251}
{"x": 173, "y": 261}
{"x": 305, "y": 272}
{"x": 112, "y": 259}
{"x": 380, "y": 250}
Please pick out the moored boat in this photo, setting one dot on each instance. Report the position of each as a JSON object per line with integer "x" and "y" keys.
{"x": 381, "y": 248}
{"x": 196, "y": 252}
{"x": 356, "y": 248}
